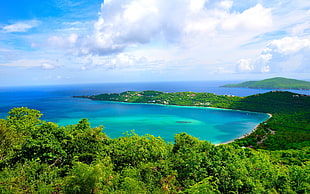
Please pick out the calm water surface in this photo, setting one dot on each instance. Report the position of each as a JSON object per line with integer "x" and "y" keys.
{"x": 214, "y": 125}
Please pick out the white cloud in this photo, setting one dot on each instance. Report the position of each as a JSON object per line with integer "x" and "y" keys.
{"x": 32, "y": 64}
{"x": 265, "y": 69}
{"x": 48, "y": 66}
{"x": 23, "y": 26}
{"x": 116, "y": 62}
{"x": 128, "y": 24}
{"x": 266, "y": 57}
{"x": 245, "y": 65}
{"x": 300, "y": 29}
{"x": 191, "y": 38}
{"x": 226, "y": 4}
{"x": 288, "y": 54}
{"x": 289, "y": 45}
{"x": 73, "y": 38}
{"x": 196, "y": 5}
{"x": 193, "y": 32}
{"x": 134, "y": 11}
{"x": 57, "y": 41}
{"x": 255, "y": 18}
{"x": 63, "y": 42}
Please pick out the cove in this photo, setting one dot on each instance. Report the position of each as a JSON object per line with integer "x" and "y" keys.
{"x": 211, "y": 124}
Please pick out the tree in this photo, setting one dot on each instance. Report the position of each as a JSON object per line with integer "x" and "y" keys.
{"x": 84, "y": 178}
{"x": 23, "y": 119}
{"x": 10, "y": 142}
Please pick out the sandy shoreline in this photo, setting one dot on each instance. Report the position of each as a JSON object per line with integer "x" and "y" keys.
{"x": 228, "y": 109}
{"x": 175, "y": 105}
{"x": 247, "y": 134}
{"x": 193, "y": 106}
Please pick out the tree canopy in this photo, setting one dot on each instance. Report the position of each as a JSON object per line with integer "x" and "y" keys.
{"x": 42, "y": 157}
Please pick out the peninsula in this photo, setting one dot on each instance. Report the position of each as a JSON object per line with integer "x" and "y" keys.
{"x": 273, "y": 83}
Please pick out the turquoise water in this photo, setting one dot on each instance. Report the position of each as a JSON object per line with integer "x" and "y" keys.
{"x": 214, "y": 125}
{"x": 57, "y": 105}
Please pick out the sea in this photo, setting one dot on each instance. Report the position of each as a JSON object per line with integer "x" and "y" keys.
{"x": 118, "y": 119}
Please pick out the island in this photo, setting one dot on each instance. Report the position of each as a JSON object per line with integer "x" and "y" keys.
{"x": 273, "y": 83}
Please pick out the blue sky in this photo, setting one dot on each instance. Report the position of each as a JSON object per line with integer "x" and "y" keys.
{"x": 66, "y": 41}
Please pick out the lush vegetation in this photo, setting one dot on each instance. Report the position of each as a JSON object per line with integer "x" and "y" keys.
{"x": 40, "y": 157}
{"x": 289, "y": 127}
{"x": 274, "y": 83}
{"x": 178, "y": 98}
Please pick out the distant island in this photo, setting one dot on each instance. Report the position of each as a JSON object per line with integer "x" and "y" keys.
{"x": 273, "y": 83}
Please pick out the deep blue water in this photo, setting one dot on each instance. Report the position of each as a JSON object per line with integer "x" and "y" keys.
{"x": 57, "y": 105}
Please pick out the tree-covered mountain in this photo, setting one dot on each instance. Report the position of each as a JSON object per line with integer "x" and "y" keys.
{"x": 273, "y": 83}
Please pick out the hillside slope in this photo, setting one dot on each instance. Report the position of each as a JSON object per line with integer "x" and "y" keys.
{"x": 273, "y": 83}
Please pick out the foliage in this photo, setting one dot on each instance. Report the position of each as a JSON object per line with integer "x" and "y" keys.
{"x": 84, "y": 178}
{"x": 274, "y": 83}
{"x": 42, "y": 157}
{"x": 289, "y": 127}
{"x": 178, "y": 98}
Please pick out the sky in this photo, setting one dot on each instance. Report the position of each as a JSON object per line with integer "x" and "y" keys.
{"x": 94, "y": 41}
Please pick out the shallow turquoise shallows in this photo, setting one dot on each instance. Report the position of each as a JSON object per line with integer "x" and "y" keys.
{"x": 215, "y": 125}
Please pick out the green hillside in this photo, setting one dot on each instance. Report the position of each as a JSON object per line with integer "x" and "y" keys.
{"x": 274, "y": 83}
{"x": 289, "y": 127}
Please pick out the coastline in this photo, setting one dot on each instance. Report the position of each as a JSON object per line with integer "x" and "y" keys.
{"x": 199, "y": 107}
{"x": 280, "y": 89}
{"x": 247, "y": 134}
{"x": 174, "y": 105}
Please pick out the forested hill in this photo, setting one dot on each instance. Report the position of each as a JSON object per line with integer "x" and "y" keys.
{"x": 289, "y": 126}
{"x": 278, "y": 102}
{"x": 273, "y": 83}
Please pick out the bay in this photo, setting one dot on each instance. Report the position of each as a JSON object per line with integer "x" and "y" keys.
{"x": 214, "y": 125}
